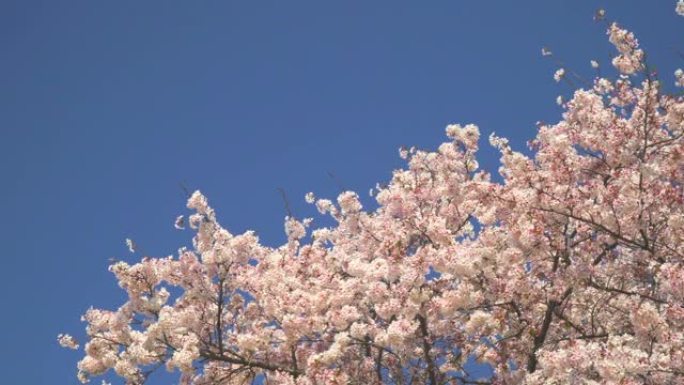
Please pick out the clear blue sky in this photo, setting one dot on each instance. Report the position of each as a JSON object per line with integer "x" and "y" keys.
{"x": 106, "y": 106}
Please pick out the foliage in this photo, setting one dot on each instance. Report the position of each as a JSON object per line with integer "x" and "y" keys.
{"x": 571, "y": 270}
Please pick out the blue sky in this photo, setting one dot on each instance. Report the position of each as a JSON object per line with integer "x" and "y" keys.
{"x": 107, "y": 106}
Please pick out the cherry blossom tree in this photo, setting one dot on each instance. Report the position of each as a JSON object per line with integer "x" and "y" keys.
{"x": 570, "y": 270}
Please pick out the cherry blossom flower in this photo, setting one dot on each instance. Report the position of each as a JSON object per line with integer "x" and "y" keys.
{"x": 559, "y": 74}
{"x": 130, "y": 245}
{"x": 569, "y": 270}
{"x": 67, "y": 341}
{"x": 179, "y": 223}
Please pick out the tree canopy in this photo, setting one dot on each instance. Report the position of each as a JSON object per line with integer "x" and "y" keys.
{"x": 569, "y": 270}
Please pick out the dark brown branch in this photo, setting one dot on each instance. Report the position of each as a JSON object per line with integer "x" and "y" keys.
{"x": 219, "y": 315}
{"x": 432, "y": 374}
{"x": 249, "y": 363}
{"x": 541, "y": 336}
{"x": 595, "y": 285}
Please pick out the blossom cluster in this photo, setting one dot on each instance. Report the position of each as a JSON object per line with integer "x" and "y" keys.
{"x": 630, "y": 58}
{"x": 569, "y": 271}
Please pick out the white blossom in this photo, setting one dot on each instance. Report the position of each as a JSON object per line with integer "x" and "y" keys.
{"x": 131, "y": 245}
{"x": 179, "y": 223}
{"x": 67, "y": 341}
{"x": 559, "y": 74}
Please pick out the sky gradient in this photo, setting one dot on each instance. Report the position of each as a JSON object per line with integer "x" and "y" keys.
{"x": 106, "y": 108}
